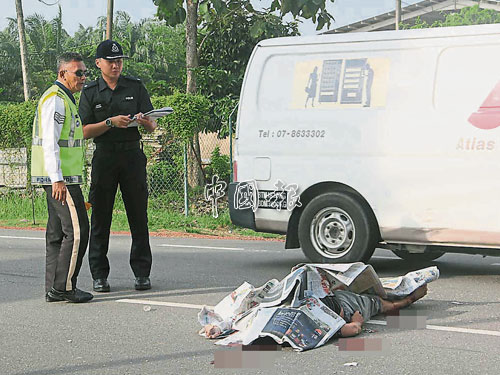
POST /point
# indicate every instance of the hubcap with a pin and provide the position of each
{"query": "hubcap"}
(332, 232)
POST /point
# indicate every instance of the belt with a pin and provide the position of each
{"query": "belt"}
(118, 146)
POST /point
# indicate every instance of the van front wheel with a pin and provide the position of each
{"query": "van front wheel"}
(336, 228)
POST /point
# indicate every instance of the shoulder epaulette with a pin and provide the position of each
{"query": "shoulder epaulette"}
(90, 84)
(130, 78)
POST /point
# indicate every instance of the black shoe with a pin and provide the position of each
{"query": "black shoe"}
(52, 299)
(142, 283)
(101, 285)
(76, 295)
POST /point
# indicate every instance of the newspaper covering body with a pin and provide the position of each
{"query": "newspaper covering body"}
(398, 287)
(291, 311)
(356, 277)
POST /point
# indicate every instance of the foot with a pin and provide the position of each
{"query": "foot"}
(52, 299)
(75, 296)
(101, 285)
(418, 293)
(142, 283)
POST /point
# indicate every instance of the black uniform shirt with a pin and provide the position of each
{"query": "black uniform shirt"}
(98, 102)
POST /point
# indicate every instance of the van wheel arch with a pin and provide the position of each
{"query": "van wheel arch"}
(292, 237)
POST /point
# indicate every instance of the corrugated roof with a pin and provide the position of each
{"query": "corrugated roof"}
(429, 8)
(440, 32)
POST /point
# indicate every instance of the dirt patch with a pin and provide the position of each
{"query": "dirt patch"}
(172, 234)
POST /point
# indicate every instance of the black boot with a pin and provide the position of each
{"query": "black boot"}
(76, 295)
(142, 283)
(101, 285)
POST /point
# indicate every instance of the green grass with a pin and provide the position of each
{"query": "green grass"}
(165, 214)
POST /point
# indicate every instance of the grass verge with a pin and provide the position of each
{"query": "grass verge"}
(16, 210)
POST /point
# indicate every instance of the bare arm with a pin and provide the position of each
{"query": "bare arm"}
(354, 327)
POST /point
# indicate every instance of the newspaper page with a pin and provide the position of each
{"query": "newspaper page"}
(399, 287)
(306, 327)
(317, 282)
(357, 277)
(236, 302)
(280, 292)
(291, 311)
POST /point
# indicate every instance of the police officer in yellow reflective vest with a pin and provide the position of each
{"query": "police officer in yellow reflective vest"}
(57, 164)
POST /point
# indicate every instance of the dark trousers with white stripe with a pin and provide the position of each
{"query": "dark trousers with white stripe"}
(66, 239)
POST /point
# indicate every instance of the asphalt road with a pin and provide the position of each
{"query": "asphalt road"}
(155, 332)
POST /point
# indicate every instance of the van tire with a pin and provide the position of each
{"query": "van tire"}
(419, 257)
(336, 227)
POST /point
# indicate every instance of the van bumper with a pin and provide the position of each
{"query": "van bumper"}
(240, 216)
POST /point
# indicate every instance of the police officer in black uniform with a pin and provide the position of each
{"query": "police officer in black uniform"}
(108, 107)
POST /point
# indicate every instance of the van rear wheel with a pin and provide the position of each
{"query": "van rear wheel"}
(336, 227)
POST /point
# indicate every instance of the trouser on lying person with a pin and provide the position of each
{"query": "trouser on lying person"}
(355, 308)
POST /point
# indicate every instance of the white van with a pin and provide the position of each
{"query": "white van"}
(390, 139)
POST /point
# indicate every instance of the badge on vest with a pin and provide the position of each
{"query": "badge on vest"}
(129, 98)
(98, 106)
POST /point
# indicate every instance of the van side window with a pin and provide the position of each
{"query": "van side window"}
(465, 77)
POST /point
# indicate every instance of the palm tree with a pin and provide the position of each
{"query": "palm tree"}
(24, 50)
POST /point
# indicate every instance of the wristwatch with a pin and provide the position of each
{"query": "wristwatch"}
(109, 124)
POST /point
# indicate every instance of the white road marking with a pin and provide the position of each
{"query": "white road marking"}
(495, 264)
(23, 238)
(113, 295)
(377, 322)
(167, 245)
(448, 329)
(216, 248)
(204, 247)
(160, 303)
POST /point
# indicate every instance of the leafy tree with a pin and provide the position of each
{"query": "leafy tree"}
(225, 48)
(226, 45)
(198, 12)
(10, 64)
(473, 15)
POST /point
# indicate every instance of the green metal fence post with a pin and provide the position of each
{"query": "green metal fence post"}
(33, 204)
(186, 199)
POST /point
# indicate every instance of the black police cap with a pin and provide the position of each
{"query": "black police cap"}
(109, 50)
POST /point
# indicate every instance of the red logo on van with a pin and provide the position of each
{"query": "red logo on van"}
(488, 115)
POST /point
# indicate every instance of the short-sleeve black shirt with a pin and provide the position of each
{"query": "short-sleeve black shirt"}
(98, 102)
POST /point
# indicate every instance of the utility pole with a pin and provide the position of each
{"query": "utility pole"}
(109, 23)
(398, 13)
(24, 51)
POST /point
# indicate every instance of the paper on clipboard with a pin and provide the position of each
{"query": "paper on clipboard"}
(153, 114)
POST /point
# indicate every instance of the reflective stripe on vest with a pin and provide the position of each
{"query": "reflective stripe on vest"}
(62, 142)
(45, 180)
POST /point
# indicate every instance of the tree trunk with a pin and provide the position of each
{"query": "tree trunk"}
(191, 50)
(24, 52)
(195, 171)
(109, 20)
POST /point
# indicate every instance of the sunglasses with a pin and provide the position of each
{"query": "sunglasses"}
(79, 73)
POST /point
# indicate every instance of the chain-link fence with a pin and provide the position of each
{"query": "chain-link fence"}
(166, 169)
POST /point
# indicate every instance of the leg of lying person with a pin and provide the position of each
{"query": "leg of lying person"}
(390, 306)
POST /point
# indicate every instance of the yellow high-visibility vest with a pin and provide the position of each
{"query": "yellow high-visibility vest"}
(71, 145)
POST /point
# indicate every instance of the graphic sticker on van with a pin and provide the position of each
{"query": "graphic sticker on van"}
(488, 115)
(340, 83)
